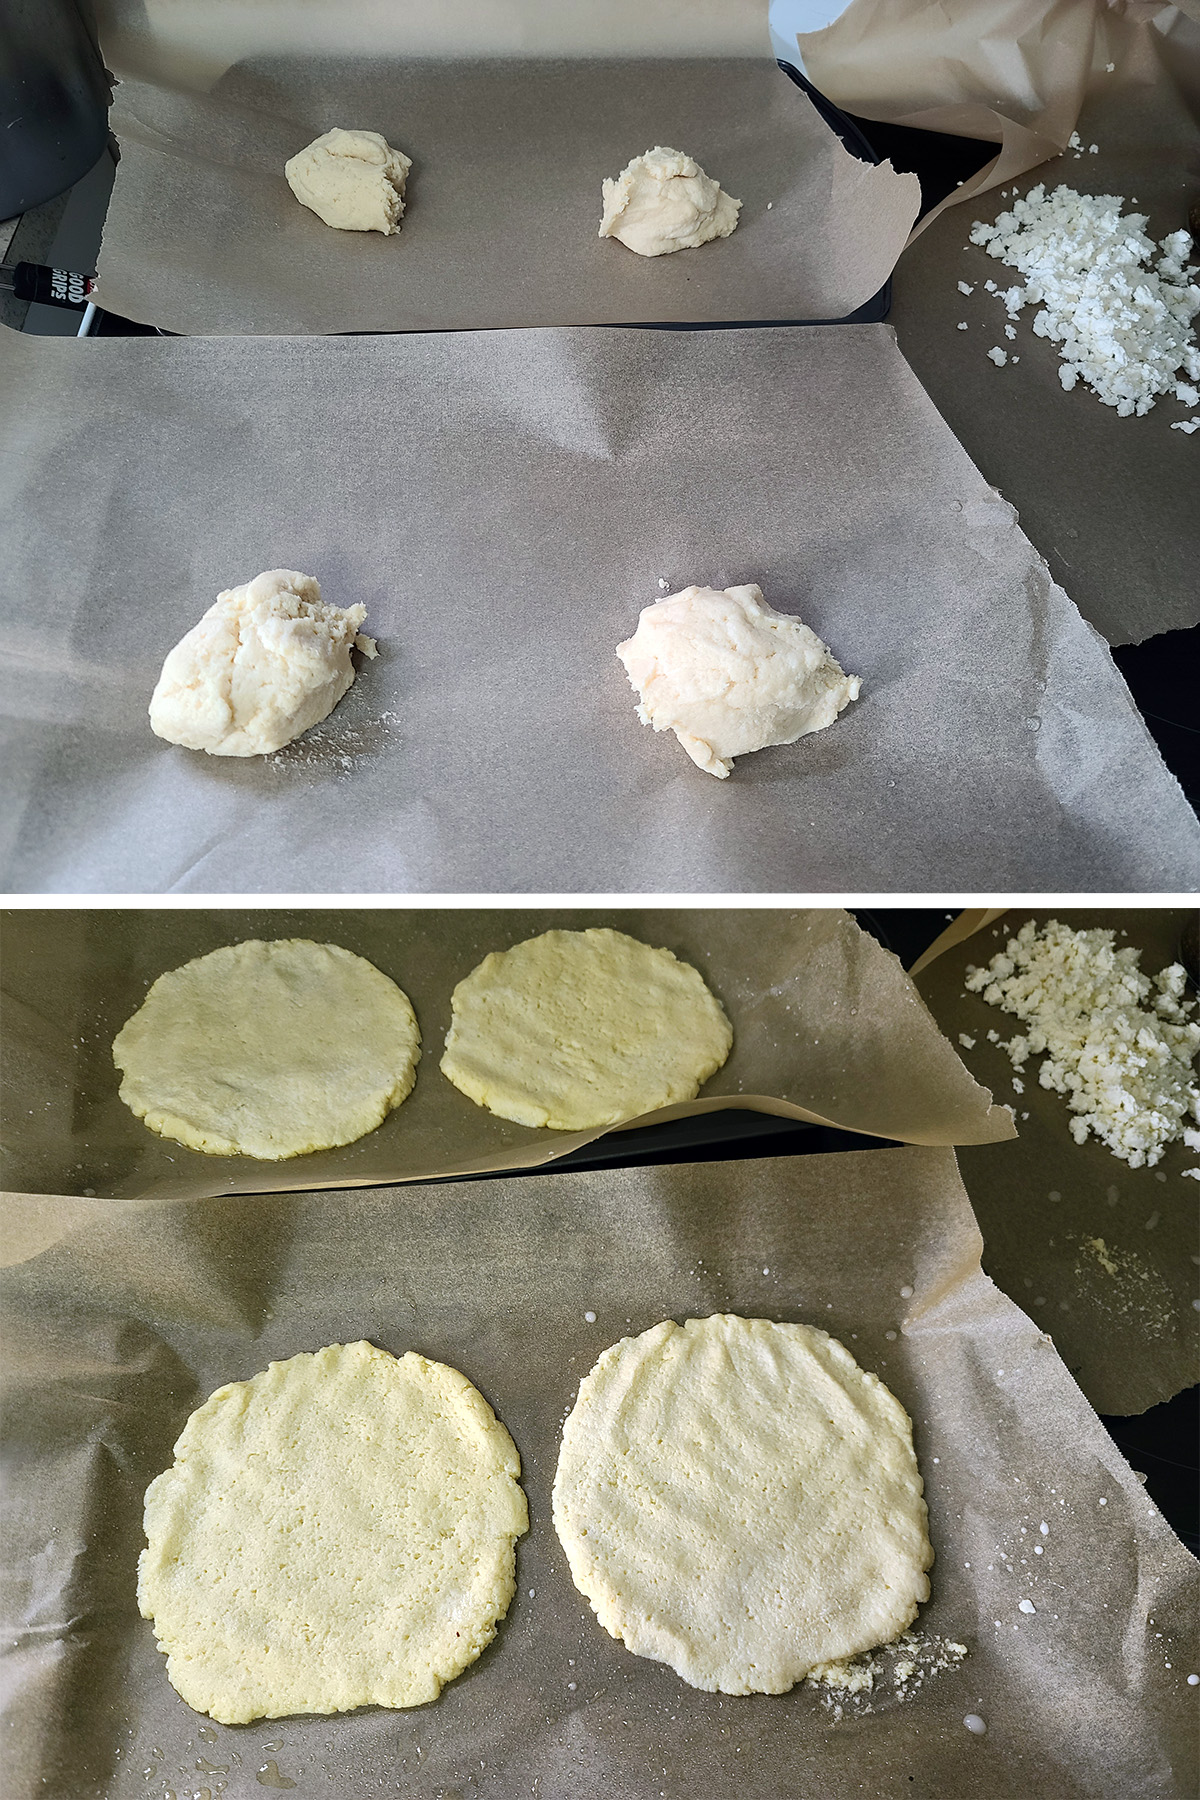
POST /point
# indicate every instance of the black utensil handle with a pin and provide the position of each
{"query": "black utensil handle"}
(52, 287)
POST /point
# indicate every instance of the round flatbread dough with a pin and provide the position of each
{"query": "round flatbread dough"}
(663, 201)
(575, 1029)
(728, 674)
(269, 1049)
(338, 1531)
(740, 1500)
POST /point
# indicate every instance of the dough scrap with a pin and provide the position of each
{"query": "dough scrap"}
(740, 1500)
(575, 1029)
(728, 674)
(338, 1531)
(352, 180)
(663, 201)
(269, 1049)
(267, 662)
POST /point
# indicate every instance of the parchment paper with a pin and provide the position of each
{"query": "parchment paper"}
(117, 1333)
(1110, 503)
(510, 149)
(826, 1023)
(1102, 1255)
(1018, 73)
(505, 504)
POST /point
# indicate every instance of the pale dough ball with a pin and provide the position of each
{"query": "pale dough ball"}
(575, 1029)
(728, 674)
(266, 662)
(338, 1531)
(353, 180)
(664, 201)
(740, 1500)
(269, 1049)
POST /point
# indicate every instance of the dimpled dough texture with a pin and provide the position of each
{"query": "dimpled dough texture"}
(352, 180)
(575, 1029)
(269, 1049)
(267, 661)
(663, 201)
(728, 674)
(740, 1500)
(337, 1532)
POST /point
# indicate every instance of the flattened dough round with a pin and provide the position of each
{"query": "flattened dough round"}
(575, 1029)
(740, 1500)
(269, 1049)
(338, 1531)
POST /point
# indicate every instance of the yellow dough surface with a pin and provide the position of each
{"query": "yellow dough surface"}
(740, 1500)
(338, 1531)
(576, 1029)
(269, 1049)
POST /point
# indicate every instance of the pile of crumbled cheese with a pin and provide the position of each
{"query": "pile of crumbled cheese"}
(1119, 1045)
(1122, 324)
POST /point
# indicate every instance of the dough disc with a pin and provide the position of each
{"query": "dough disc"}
(740, 1500)
(575, 1029)
(337, 1532)
(269, 1049)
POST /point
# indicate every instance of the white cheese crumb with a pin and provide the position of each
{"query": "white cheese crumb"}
(1118, 1044)
(1074, 142)
(998, 356)
(1188, 425)
(1194, 1173)
(1010, 332)
(964, 287)
(962, 324)
(968, 1043)
(1109, 67)
(1122, 323)
(1093, 149)
(1026, 1606)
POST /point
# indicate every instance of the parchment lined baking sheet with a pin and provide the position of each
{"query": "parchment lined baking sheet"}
(505, 504)
(117, 1333)
(503, 205)
(1111, 503)
(826, 1025)
(1102, 1255)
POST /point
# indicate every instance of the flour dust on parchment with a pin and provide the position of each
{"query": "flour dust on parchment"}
(896, 1672)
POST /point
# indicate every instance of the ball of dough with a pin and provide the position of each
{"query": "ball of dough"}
(575, 1029)
(740, 1500)
(338, 1531)
(353, 180)
(269, 1049)
(728, 674)
(266, 662)
(663, 201)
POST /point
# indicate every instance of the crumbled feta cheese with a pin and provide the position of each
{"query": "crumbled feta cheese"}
(1187, 394)
(1194, 1173)
(1010, 332)
(1123, 325)
(1188, 425)
(1074, 142)
(1093, 149)
(962, 324)
(1118, 1044)
(1109, 67)
(968, 1043)
(998, 356)
(964, 287)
